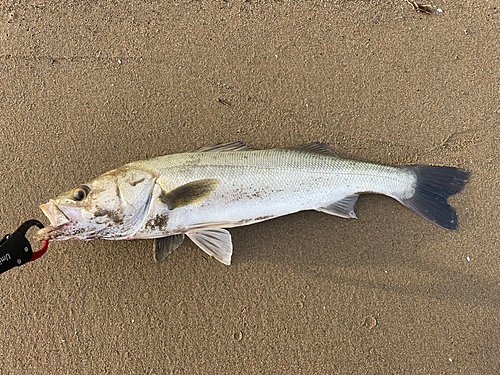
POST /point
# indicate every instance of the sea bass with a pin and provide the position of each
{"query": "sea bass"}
(199, 193)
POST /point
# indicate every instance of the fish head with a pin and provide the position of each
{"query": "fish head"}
(112, 206)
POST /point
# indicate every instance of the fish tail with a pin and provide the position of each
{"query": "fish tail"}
(434, 185)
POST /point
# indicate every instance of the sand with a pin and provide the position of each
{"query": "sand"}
(87, 86)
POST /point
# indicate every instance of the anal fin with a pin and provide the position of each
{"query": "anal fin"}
(342, 208)
(164, 246)
(215, 242)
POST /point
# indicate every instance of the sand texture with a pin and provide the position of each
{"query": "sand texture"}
(87, 86)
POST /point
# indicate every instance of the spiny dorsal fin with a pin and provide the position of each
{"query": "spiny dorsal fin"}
(316, 147)
(215, 242)
(342, 208)
(164, 246)
(190, 193)
(221, 147)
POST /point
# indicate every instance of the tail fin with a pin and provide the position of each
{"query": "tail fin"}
(434, 186)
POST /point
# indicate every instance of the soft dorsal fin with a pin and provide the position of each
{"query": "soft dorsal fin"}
(342, 208)
(315, 147)
(164, 246)
(215, 242)
(221, 147)
(190, 193)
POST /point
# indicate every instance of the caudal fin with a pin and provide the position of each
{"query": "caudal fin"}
(434, 186)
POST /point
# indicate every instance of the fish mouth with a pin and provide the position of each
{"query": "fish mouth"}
(54, 214)
(58, 220)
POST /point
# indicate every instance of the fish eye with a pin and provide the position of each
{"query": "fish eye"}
(81, 192)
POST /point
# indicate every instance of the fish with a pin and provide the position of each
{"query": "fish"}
(201, 193)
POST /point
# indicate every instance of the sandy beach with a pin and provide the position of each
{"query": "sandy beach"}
(87, 86)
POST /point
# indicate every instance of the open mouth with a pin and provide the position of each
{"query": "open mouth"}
(54, 214)
(57, 226)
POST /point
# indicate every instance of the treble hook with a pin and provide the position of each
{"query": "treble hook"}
(15, 249)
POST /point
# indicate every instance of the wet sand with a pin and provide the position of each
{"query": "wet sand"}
(88, 86)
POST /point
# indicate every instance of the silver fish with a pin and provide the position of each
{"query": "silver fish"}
(199, 193)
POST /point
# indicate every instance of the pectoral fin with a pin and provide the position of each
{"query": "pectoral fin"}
(164, 246)
(342, 208)
(215, 242)
(190, 193)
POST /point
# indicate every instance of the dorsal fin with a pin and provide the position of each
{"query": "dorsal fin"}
(316, 147)
(221, 147)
